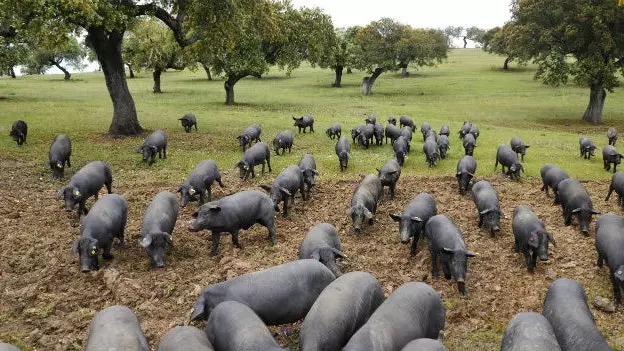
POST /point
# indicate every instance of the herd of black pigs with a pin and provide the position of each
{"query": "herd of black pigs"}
(340, 311)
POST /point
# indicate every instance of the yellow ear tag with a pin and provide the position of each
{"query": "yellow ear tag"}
(77, 193)
(191, 191)
(59, 165)
(93, 251)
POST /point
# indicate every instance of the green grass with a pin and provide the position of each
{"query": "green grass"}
(469, 86)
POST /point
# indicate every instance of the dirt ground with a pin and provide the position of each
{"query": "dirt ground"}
(47, 304)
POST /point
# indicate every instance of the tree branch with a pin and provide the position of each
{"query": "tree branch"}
(174, 23)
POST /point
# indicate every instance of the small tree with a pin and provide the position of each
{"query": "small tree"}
(387, 45)
(340, 53)
(475, 34)
(590, 32)
(150, 45)
(498, 41)
(68, 53)
(452, 32)
(13, 52)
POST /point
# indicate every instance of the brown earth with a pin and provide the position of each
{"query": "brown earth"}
(47, 304)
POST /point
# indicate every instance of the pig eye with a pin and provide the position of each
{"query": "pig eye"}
(194, 215)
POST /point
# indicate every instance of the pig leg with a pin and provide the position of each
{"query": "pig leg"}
(235, 241)
(107, 255)
(312, 129)
(215, 243)
(415, 238)
(269, 223)
(614, 167)
(209, 192)
(302, 190)
(285, 207)
(600, 261)
(609, 194)
(165, 150)
(160, 153)
(109, 186)
(617, 293)
(68, 162)
(392, 189)
(446, 266)
(516, 246)
(263, 167)
(220, 182)
(202, 198)
(434, 263)
(268, 161)
(480, 221)
(567, 218)
(527, 258)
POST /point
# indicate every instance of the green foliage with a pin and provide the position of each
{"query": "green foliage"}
(389, 45)
(548, 31)
(150, 45)
(475, 34)
(70, 53)
(13, 52)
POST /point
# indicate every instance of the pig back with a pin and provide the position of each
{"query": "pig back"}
(161, 214)
(185, 338)
(116, 328)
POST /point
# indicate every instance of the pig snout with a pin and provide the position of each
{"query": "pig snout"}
(192, 225)
(85, 269)
(405, 237)
(495, 229)
(543, 257)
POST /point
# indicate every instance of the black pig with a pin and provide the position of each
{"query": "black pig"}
(611, 155)
(617, 184)
(283, 140)
(447, 243)
(343, 151)
(19, 131)
(610, 248)
(59, 155)
(364, 201)
(157, 226)
(232, 213)
(155, 143)
(530, 236)
(84, 184)
(414, 218)
(488, 206)
(199, 182)
(576, 201)
(285, 186)
(335, 131)
(249, 135)
(304, 122)
(255, 155)
(389, 175)
(322, 243)
(188, 121)
(106, 220)
(466, 168)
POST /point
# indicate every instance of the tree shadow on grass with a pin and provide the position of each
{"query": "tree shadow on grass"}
(516, 69)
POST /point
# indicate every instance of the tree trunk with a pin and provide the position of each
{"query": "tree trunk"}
(506, 64)
(65, 72)
(349, 71)
(338, 81)
(107, 46)
(465, 42)
(207, 69)
(597, 97)
(130, 70)
(404, 72)
(12, 72)
(367, 82)
(229, 89)
(156, 75)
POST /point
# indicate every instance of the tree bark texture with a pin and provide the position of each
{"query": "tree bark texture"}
(130, 71)
(367, 82)
(506, 64)
(65, 72)
(465, 42)
(404, 72)
(207, 69)
(597, 98)
(156, 76)
(338, 81)
(107, 46)
(229, 90)
(12, 72)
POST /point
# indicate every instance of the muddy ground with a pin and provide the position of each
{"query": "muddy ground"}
(47, 304)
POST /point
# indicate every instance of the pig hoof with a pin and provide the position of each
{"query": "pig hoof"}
(107, 257)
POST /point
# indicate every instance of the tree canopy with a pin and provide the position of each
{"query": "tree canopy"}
(42, 57)
(340, 52)
(387, 45)
(572, 38)
(498, 40)
(150, 45)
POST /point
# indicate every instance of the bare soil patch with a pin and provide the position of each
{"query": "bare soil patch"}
(48, 304)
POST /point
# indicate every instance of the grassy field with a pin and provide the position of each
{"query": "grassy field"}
(47, 301)
(469, 86)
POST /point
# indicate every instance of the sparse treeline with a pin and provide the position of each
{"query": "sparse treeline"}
(567, 39)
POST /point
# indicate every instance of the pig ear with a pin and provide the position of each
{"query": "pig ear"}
(266, 188)
(315, 172)
(486, 211)
(60, 193)
(214, 207)
(551, 239)
(527, 146)
(501, 213)
(368, 214)
(446, 250)
(338, 253)
(350, 211)
(285, 191)
(168, 239)
(199, 310)
(75, 246)
(362, 175)
(294, 119)
(416, 219)
(315, 255)
(147, 240)
(238, 164)
(470, 254)
(378, 170)
(595, 212)
(395, 217)
(458, 174)
(180, 189)
(239, 137)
